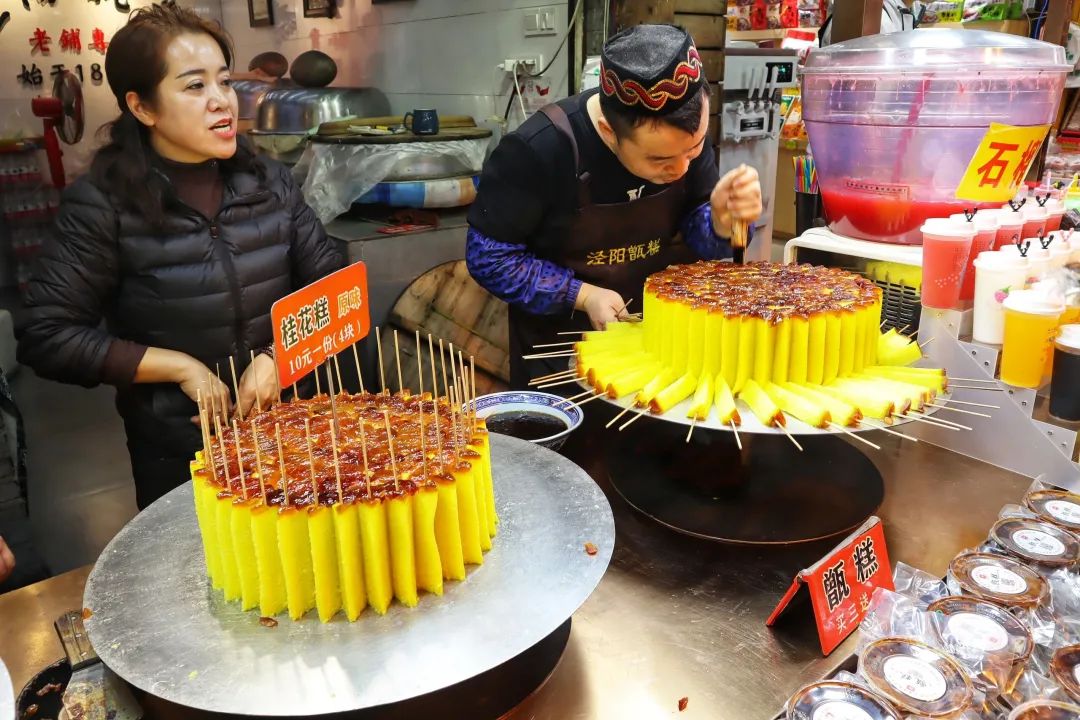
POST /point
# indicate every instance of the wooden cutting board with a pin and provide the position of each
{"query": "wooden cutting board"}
(341, 127)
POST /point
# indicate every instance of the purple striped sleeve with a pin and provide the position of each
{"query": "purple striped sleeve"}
(513, 274)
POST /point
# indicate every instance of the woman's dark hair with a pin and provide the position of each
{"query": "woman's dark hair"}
(623, 120)
(135, 62)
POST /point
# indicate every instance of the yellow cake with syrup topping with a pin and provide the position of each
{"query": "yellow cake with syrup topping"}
(347, 521)
(796, 339)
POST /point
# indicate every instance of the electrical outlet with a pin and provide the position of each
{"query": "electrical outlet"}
(525, 62)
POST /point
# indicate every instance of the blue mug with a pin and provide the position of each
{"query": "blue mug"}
(424, 122)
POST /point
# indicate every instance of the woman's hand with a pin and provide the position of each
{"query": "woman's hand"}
(258, 385)
(602, 305)
(736, 196)
(197, 380)
(7, 561)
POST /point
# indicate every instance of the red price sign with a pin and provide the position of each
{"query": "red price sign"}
(842, 583)
(320, 320)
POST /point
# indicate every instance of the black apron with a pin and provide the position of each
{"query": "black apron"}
(614, 246)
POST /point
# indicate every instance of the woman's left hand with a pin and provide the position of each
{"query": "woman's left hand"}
(258, 385)
(736, 196)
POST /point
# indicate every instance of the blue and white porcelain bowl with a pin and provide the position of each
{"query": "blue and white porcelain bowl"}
(533, 402)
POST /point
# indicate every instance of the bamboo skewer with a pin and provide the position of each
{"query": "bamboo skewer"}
(556, 384)
(435, 396)
(472, 373)
(390, 446)
(442, 360)
(978, 380)
(636, 417)
(734, 429)
(558, 344)
(783, 429)
(693, 423)
(397, 360)
(561, 375)
(943, 421)
(579, 404)
(363, 450)
(935, 423)
(958, 410)
(924, 344)
(972, 404)
(281, 463)
(337, 468)
(311, 462)
(356, 359)
(334, 427)
(318, 386)
(542, 356)
(878, 426)
(976, 387)
(337, 371)
(844, 430)
(258, 459)
(382, 375)
(574, 332)
(239, 460)
(294, 393)
(236, 387)
(615, 419)
(224, 458)
(258, 395)
(420, 410)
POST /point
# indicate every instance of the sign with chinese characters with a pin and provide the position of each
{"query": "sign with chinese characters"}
(623, 255)
(1001, 162)
(842, 583)
(319, 321)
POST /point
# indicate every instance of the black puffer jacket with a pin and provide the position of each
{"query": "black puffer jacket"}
(202, 286)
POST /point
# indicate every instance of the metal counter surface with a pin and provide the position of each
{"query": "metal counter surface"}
(675, 617)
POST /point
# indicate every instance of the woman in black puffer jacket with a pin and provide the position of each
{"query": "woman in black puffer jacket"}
(180, 239)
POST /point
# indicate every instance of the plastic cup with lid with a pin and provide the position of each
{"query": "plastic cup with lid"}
(986, 227)
(1055, 210)
(1010, 227)
(1065, 380)
(946, 245)
(1031, 321)
(1034, 220)
(997, 275)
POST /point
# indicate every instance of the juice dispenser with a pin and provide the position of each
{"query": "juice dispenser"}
(894, 120)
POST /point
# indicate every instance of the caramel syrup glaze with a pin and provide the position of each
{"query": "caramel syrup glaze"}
(460, 450)
(764, 290)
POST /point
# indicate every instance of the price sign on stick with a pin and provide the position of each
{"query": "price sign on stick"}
(842, 583)
(318, 321)
(1001, 162)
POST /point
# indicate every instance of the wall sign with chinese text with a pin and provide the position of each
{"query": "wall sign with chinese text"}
(842, 583)
(1001, 162)
(318, 321)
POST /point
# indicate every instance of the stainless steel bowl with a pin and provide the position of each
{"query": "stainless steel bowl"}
(248, 93)
(295, 110)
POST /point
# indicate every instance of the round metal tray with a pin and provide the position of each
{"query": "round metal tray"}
(750, 422)
(157, 624)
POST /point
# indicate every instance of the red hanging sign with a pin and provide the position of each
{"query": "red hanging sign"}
(319, 321)
(842, 583)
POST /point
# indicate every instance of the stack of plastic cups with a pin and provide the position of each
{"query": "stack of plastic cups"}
(1060, 252)
(1034, 221)
(986, 227)
(1010, 227)
(946, 245)
(997, 274)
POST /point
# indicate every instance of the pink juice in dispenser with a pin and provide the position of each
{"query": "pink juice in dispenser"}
(895, 119)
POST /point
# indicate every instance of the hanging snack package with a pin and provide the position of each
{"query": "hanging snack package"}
(942, 11)
(991, 10)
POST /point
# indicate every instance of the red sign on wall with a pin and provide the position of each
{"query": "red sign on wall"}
(842, 583)
(319, 321)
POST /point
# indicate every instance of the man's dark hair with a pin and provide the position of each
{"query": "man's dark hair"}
(623, 120)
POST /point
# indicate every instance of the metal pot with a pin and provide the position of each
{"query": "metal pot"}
(248, 93)
(294, 110)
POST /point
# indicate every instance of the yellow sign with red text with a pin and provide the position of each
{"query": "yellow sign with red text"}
(319, 321)
(999, 165)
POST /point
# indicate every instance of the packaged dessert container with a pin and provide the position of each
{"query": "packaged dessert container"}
(997, 579)
(1036, 542)
(917, 678)
(917, 105)
(1060, 507)
(837, 699)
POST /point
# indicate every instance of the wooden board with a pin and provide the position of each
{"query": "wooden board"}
(335, 127)
(636, 12)
(707, 30)
(716, 92)
(705, 7)
(713, 61)
(447, 303)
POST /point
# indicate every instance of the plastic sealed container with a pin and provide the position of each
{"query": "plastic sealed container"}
(946, 246)
(915, 105)
(986, 227)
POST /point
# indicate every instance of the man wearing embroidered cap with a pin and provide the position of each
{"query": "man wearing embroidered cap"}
(593, 194)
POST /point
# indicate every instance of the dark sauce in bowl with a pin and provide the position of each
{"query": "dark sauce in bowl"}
(525, 424)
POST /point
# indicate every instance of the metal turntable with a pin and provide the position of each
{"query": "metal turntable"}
(158, 626)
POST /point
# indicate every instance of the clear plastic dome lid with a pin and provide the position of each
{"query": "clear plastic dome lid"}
(940, 50)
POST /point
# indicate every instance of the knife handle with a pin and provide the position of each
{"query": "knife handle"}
(80, 652)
